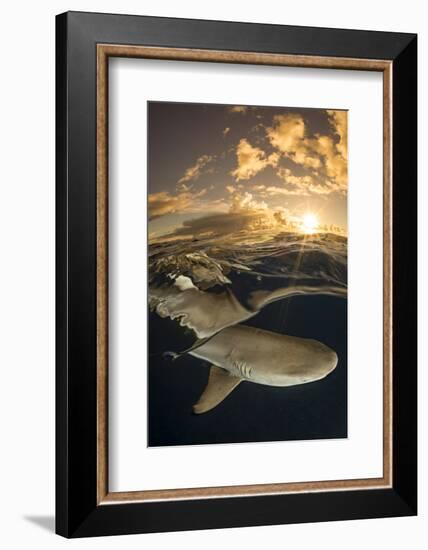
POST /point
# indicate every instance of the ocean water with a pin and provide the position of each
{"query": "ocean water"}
(289, 284)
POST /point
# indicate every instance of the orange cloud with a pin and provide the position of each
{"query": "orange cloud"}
(288, 136)
(319, 153)
(251, 160)
(193, 172)
(244, 202)
(304, 185)
(163, 203)
(339, 123)
(242, 109)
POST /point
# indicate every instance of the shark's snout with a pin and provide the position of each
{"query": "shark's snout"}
(330, 361)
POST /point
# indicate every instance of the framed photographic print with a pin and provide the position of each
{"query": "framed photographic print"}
(236, 274)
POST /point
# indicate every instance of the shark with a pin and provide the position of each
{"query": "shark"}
(243, 353)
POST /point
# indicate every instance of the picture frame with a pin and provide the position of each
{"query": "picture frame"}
(84, 44)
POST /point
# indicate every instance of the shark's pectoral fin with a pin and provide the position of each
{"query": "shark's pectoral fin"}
(220, 384)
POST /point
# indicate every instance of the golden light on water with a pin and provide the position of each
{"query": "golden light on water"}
(309, 223)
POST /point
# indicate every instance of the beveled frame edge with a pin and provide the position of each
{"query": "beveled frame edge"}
(104, 51)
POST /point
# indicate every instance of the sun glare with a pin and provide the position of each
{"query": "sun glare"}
(309, 223)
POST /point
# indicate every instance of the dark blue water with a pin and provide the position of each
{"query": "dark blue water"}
(252, 412)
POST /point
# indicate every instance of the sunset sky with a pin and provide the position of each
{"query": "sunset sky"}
(218, 169)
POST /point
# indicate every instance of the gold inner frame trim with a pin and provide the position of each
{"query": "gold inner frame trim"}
(104, 51)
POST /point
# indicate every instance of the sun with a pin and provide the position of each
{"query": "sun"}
(309, 223)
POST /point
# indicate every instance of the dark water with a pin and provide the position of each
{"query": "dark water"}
(252, 412)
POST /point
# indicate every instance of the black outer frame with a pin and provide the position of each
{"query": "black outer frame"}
(77, 513)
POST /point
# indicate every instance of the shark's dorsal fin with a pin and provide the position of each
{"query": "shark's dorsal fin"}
(220, 384)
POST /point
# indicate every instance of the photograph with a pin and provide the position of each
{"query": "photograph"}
(212, 275)
(247, 273)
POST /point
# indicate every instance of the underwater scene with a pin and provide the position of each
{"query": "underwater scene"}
(247, 274)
